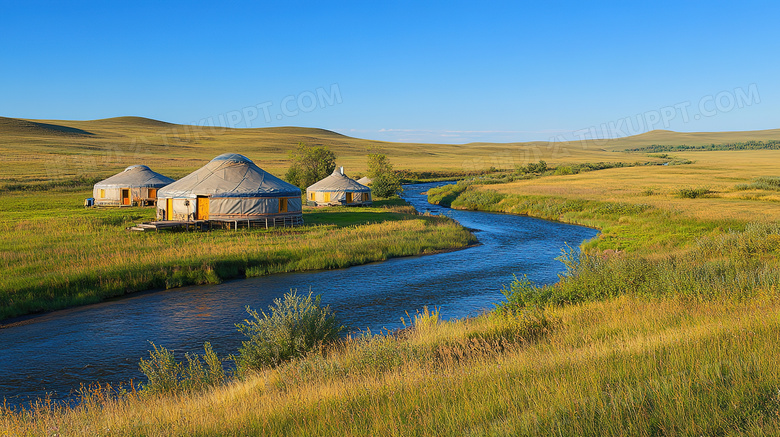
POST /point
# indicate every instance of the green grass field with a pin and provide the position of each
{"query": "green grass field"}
(668, 324)
(57, 254)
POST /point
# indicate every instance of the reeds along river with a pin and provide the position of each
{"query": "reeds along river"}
(55, 354)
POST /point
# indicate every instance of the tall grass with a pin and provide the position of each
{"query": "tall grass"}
(620, 367)
(166, 374)
(769, 183)
(733, 266)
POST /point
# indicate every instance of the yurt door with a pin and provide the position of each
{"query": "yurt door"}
(125, 196)
(349, 197)
(168, 209)
(152, 193)
(203, 208)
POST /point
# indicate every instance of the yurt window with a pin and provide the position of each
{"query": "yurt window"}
(152, 193)
(282, 205)
(311, 196)
(349, 197)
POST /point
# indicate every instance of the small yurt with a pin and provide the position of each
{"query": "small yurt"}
(231, 188)
(338, 189)
(365, 180)
(136, 185)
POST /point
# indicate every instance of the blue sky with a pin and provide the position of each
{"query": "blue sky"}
(451, 72)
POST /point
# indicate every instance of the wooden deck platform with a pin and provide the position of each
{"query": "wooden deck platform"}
(198, 225)
(206, 225)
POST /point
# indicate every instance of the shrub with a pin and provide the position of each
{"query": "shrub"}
(385, 185)
(692, 193)
(563, 171)
(385, 180)
(296, 325)
(310, 164)
(535, 168)
(769, 183)
(518, 295)
(165, 374)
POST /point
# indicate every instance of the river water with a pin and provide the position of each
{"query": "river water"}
(54, 354)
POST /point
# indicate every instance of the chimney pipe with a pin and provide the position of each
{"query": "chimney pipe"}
(341, 169)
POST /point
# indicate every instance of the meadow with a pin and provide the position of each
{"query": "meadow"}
(667, 324)
(57, 254)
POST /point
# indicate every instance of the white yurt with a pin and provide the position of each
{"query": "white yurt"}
(338, 189)
(231, 188)
(365, 180)
(137, 185)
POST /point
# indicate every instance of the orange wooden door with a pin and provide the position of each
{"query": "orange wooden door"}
(203, 209)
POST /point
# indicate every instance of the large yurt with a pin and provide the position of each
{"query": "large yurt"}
(136, 185)
(231, 188)
(338, 189)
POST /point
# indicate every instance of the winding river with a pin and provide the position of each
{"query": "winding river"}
(54, 354)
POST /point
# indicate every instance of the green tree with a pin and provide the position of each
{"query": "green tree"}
(385, 182)
(310, 164)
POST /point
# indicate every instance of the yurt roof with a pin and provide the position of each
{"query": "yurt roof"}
(135, 176)
(229, 175)
(338, 182)
(365, 180)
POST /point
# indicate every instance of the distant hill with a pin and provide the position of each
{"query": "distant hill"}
(54, 150)
(131, 121)
(18, 127)
(667, 137)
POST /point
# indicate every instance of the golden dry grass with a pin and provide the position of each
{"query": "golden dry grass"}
(720, 172)
(46, 150)
(623, 367)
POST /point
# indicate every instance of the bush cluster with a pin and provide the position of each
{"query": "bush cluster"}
(692, 193)
(296, 325)
(166, 374)
(769, 183)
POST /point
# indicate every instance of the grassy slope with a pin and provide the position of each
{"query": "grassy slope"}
(620, 367)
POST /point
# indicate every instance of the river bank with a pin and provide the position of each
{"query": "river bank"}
(58, 255)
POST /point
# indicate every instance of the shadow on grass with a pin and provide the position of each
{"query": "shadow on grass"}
(342, 216)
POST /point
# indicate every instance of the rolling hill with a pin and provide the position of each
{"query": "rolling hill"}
(37, 151)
